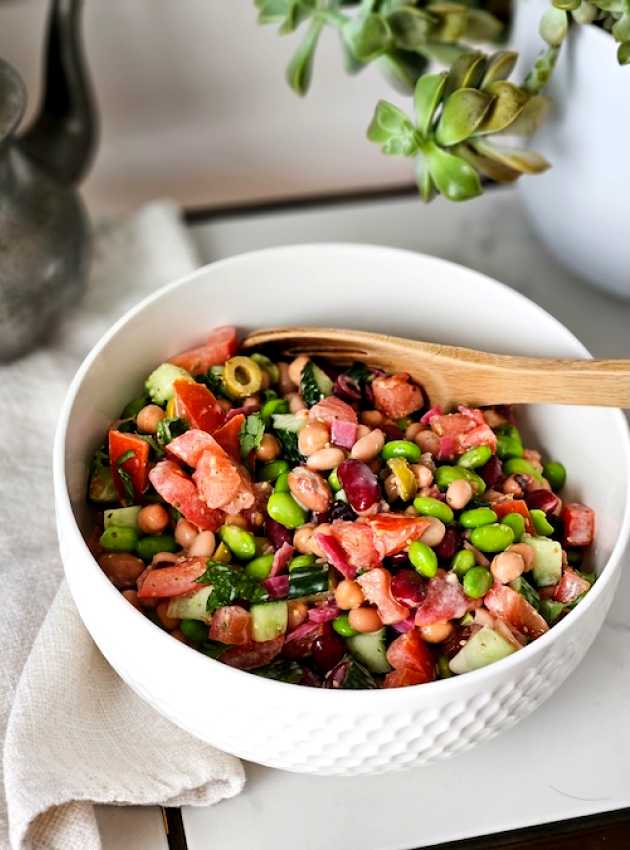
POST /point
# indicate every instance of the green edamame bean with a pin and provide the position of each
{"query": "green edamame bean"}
(274, 405)
(555, 473)
(301, 561)
(342, 626)
(282, 483)
(477, 582)
(509, 443)
(423, 558)
(541, 523)
(116, 539)
(445, 475)
(149, 546)
(478, 456)
(194, 630)
(516, 523)
(284, 509)
(240, 542)
(520, 466)
(401, 448)
(444, 671)
(492, 538)
(333, 480)
(260, 567)
(428, 506)
(462, 562)
(476, 517)
(270, 471)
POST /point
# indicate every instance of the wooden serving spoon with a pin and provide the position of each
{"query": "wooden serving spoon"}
(450, 374)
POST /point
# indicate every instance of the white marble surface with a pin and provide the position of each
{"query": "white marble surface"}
(571, 757)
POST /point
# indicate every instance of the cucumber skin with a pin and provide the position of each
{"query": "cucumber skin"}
(547, 568)
(269, 620)
(122, 517)
(159, 384)
(191, 607)
(369, 650)
(483, 648)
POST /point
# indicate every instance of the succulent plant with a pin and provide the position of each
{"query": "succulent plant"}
(459, 112)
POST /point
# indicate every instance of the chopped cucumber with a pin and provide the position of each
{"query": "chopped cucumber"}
(522, 586)
(484, 647)
(101, 487)
(369, 649)
(123, 517)
(314, 384)
(547, 567)
(288, 422)
(192, 606)
(357, 678)
(269, 620)
(551, 610)
(160, 382)
(306, 581)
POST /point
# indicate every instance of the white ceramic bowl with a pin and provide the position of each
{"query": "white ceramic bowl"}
(325, 731)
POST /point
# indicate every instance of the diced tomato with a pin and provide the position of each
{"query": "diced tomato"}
(482, 435)
(331, 408)
(299, 642)
(253, 655)
(473, 413)
(514, 506)
(197, 405)
(396, 395)
(176, 488)
(377, 588)
(410, 652)
(445, 600)
(136, 466)
(227, 436)
(579, 524)
(221, 483)
(221, 345)
(393, 533)
(515, 610)
(357, 541)
(190, 445)
(570, 586)
(403, 678)
(231, 624)
(172, 581)
(451, 424)
(448, 447)
(468, 428)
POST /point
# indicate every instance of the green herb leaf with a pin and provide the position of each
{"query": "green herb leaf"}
(126, 480)
(213, 379)
(289, 441)
(251, 434)
(282, 670)
(314, 384)
(230, 584)
(168, 429)
(392, 130)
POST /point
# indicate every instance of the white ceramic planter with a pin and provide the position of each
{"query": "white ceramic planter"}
(581, 207)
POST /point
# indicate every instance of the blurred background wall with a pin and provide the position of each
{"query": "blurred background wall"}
(194, 105)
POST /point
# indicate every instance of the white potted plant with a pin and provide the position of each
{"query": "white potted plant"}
(464, 124)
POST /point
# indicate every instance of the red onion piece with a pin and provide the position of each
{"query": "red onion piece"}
(404, 625)
(277, 586)
(323, 613)
(542, 500)
(281, 559)
(335, 554)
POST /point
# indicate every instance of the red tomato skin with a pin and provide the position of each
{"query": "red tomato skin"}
(443, 601)
(227, 436)
(570, 586)
(403, 678)
(376, 585)
(221, 345)
(231, 624)
(137, 466)
(223, 484)
(176, 488)
(331, 408)
(514, 506)
(197, 405)
(190, 445)
(409, 651)
(172, 581)
(396, 395)
(579, 524)
(357, 542)
(510, 606)
(253, 655)
(392, 533)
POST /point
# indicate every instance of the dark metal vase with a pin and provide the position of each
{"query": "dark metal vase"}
(44, 229)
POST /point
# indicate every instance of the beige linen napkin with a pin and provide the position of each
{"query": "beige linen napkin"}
(74, 734)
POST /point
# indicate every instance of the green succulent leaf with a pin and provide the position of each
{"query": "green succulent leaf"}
(428, 94)
(523, 161)
(452, 175)
(509, 101)
(623, 53)
(490, 168)
(567, 5)
(367, 37)
(272, 11)
(463, 112)
(465, 72)
(392, 130)
(300, 68)
(540, 74)
(531, 117)
(483, 26)
(453, 18)
(500, 66)
(410, 27)
(553, 26)
(586, 13)
(621, 29)
(298, 11)
(402, 69)
(350, 63)
(445, 54)
(423, 180)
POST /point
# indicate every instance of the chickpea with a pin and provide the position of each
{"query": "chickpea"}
(265, 382)
(458, 494)
(427, 441)
(236, 519)
(348, 595)
(372, 418)
(512, 486)
(412, 431)
(310, 489)
(507, 566)
(298, 612)
(169, 623)
(436, 632)
(269, 448)
(153, 519)
(364, 620)
(313, 437)
(368, 447)
(526, 552)
(302, 538)
(296, 367)
(326, 459)
(132, 597)
(285, 384)
(163, 559)
(362, 431)
(534, 458)
(203, 545)
(296, 403)
(494, 419)
(121, 568)
(434, 534)
(424, 475)
(185, 533)
(148, 418)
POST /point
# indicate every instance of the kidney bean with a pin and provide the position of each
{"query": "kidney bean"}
(492, 471)
(277, 533)
(407, 587)
(543, 500)
(309, 489)
(122, 568)
(359, 483)
(450, 543)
